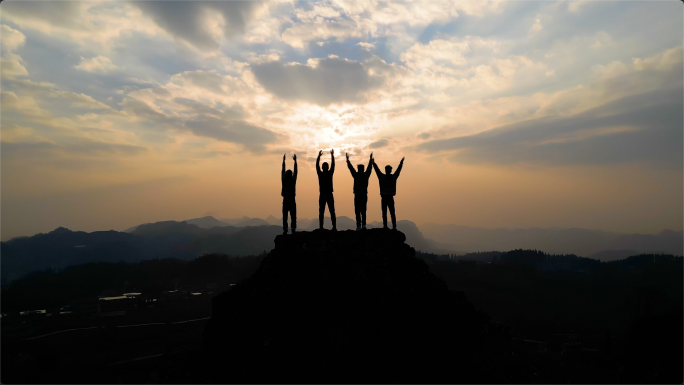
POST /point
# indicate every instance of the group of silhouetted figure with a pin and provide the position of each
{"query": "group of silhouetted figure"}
(388, 189)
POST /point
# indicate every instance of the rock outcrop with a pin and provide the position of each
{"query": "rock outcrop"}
(347, 306)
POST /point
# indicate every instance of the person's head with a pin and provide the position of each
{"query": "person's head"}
(288, 173)
(388, 169)
(325, 166)
(360, 167)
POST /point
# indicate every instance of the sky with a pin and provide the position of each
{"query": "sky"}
(509, 113)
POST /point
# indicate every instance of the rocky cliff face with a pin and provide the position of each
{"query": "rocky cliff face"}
(342, 307)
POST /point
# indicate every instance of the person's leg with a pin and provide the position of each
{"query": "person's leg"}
(284, 215)
(357, 211)
(364, 205)
(383, 202)
(390, 205)
(293, 215)
(321, 210)
(331, 207)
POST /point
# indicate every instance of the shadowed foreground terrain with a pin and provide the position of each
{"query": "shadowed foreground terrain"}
(342, 307)
(353, 307)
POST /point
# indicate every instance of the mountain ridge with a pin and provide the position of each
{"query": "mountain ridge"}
(359, 306)
(188, 239)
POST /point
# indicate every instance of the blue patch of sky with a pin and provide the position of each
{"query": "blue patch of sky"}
(382, 51)
(48, 59)
(53, 60)
(512, 23)
(347, 49)
(430, 31)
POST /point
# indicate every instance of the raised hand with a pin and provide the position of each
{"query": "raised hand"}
(320, 153)
(294, 157)
(332, 151)
(402, 160)
(371, 157)
(284, 157)
(346, 153)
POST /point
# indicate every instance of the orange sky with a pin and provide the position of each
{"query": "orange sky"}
(509, 114)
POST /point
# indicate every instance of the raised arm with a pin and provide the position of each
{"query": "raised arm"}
(369, 169)
(377, 170)
(282, 172)
(295, 167)
(318, 162)
(332, 162)
(349, 165)
(401, 164)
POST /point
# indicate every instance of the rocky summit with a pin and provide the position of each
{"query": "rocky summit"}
(342, 307)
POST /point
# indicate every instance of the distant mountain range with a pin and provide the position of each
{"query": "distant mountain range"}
(595, 244)
(250, 236)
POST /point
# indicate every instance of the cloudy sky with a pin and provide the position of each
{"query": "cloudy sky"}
(509, 114)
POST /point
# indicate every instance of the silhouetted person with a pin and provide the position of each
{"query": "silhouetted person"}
(360, 191)
(388, 189)
(325, 188)
(289, 181)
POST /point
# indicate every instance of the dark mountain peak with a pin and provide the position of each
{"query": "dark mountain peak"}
(166, 227)
(206, 222)
(60, 230)
(345, 306)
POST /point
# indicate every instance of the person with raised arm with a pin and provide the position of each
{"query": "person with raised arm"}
(325, 188)
(388, 189)
(360, 191)
(289, 184)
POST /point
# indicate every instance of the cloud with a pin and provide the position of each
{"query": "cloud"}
(81, 146)
(210, 81)
(97, 64)
(204, 121)
(24, 104)
(321, 29)
(52, 12)
(251, 137)
(256, 58)
(11, 38)
(575, 6)
(42, 90)
(425, 55)
(379, 144)
(343, 20)
(367, 46)
(644, 127)
(10, 63)
(321, 81)
(603, 40)
(191, 21)
(536, 27)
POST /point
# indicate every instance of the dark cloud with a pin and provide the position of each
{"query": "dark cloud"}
(252, 137)
(232, 112)
(333, 80)
(186, 19)
(18, 148)
(81, 146)
(206, 121)
(142, 110)
(653, 134)
(380, 143)
(61, 13)
(210, 81)
(94, 147)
